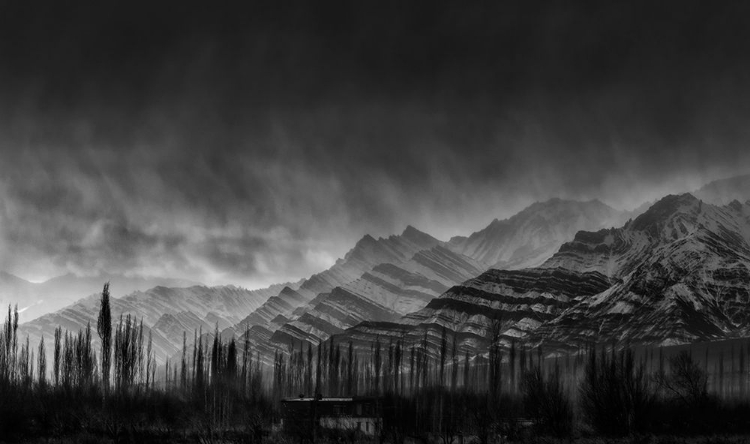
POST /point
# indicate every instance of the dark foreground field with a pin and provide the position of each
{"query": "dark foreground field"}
(222, 392)
(87, 438)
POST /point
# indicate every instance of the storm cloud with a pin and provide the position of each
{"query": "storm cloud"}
(252, 144)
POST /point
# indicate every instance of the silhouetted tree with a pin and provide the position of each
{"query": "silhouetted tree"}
(546, 401)
(104, 329)
(42, 365)
(686, 381)
(183, 362)
(512, 365)
(57, 355)
(495, 360)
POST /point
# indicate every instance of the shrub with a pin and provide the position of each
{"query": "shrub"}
(546, 402)
(615, 394)
(687, 399)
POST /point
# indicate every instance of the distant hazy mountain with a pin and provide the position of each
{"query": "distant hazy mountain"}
(167, 312)
(530, 237)
(36, 299)
(724, 191)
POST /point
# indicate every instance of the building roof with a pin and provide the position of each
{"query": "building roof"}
(313, 399)
(334, 399)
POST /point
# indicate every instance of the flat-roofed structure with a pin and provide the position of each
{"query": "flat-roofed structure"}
(362, 414)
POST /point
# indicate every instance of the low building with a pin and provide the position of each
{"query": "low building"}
(357, 414)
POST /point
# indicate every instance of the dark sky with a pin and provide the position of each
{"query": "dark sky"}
(251, 144)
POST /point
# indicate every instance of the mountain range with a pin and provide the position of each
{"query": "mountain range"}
(560, 273)
(676, 274)
(35, 299)
(165, 312)
(380, 279)
(390, 291)
(680, 274)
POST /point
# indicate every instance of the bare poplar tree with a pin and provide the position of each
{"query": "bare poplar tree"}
(183, 366)
(42, 365)
(104, 329)
(443, 355)
(56, 359)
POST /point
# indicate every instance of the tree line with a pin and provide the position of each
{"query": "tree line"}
(431, 389)
(119, 393)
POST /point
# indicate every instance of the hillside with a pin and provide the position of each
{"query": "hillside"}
(678, 273)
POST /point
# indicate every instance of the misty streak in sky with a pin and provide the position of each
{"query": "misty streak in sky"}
(253, 145)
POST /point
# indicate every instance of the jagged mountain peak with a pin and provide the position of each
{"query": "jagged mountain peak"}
(616, 251)
(366, 239)
(672, 216)
(417, 236)
(365, 243)
(288, 290)
(668, 205)
(675, 217)
(533, 235)
(735, 205)
(374, 251)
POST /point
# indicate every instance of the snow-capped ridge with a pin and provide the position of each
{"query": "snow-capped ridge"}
(677, 273)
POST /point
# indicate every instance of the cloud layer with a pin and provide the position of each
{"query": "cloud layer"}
(254, 145)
